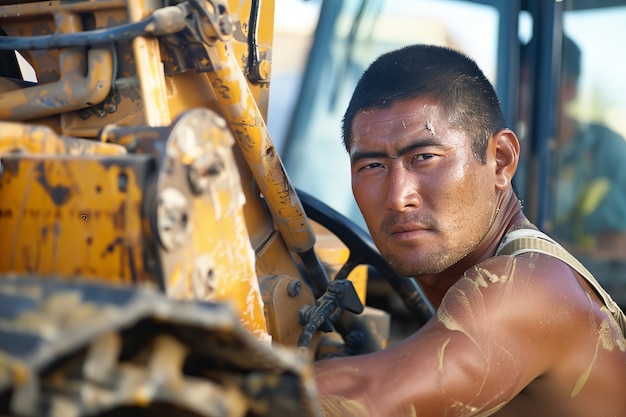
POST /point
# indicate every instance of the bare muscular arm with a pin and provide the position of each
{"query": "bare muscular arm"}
(491, 337)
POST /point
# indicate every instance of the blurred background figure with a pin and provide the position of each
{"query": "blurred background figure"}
(582, 206)
(589, 185)
(590, 174)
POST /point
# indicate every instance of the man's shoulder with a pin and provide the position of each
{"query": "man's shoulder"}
(601, 130)
(532, 280)
(529, 281)
(525, 241)
(529, 268)
(601, 137)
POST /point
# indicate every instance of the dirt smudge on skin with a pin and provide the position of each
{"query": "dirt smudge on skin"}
(440, 355)
(609, 337)
(464, 309)
(465, 300)
(582, 379)
(464, 410)
(463, 297)
(491, 277)
(431, 127)
(491, 411)
(610, 334)
(338, 406)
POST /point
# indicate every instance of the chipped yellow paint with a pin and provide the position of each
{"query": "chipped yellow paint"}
(236, 276)
(150, 70)
(142, 396)
(36, 139)
(216, 261)
(177, 285)
(20, 374)
(68, 217)
(14, 371)
(252, 135)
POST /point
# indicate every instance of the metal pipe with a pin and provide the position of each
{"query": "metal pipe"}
(73, 91)
(252, 135)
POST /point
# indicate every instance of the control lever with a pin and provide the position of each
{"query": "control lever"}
(340, 295)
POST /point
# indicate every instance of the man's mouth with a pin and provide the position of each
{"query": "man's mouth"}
(407, 227)
(407, 231)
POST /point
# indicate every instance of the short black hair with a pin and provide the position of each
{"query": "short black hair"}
(570, 59)
(448, 76)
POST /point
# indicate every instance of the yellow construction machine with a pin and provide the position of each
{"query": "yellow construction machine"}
(155, 258)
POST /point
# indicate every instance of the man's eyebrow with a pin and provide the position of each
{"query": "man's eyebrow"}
(357, 156)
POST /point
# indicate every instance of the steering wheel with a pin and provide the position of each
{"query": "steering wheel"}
(364, 252)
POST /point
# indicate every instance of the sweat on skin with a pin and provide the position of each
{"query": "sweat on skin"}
(515, 335)
(488, 343)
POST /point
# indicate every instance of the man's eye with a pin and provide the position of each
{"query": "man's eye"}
(422, 157)
(370, 166)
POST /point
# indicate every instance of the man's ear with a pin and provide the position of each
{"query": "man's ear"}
(568, 90)
(506, 147)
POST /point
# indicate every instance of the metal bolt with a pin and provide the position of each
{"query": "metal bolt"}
(264, 69)
(304, 313)
(110, 107)
(203, 278)
(173, 221)
(227, 27)
(353, 342)
(201, 169)
(294, 288)
(122, 182)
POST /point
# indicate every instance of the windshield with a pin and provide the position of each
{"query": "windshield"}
(558, 69)
(588, 187)
(307, 129)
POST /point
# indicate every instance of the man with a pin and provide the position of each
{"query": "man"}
(514, 335)
(590, 187)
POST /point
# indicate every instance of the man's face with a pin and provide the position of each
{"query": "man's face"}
(425, 197)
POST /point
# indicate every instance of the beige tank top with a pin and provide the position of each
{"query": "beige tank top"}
(530, 240)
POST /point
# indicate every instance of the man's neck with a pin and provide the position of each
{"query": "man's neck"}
(568, 127)
(508, 217)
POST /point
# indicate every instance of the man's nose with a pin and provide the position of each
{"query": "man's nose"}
(403, 190)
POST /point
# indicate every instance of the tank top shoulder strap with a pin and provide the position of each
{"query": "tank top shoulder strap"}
(531, 240)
